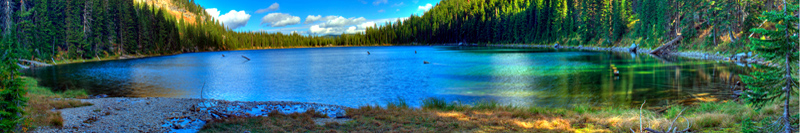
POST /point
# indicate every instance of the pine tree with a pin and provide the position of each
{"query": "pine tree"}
(779, 45)
(12, 100)
(24, 28)
(44, 33)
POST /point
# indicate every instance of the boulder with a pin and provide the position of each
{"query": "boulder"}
(556, 46)
(633, 48)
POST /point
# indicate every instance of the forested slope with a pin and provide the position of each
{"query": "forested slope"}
(72, 29)
(48, 30)
(712, 25)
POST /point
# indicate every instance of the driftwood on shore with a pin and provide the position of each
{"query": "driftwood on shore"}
(124, 56)
(34, 63)
(669, 45)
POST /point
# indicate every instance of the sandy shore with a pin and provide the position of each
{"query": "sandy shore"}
(171, 114)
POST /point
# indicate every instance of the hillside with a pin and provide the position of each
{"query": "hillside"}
(181, 9)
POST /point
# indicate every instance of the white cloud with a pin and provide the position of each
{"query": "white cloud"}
(280, 20)
(398, 4)
(312, 18)
(426, 7)
(353, 30)
(415, 1)
(322, 29)
(274, 7)
(341, 21)
(366, 24)
(334, 21)
(285, 29)
(381, 10)
(233, 19)
(378, 2)
(316, 29)
(213, 12)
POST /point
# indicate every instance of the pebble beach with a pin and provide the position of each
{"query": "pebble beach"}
(173, 114)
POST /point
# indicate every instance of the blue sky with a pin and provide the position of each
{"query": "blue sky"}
(315, 17)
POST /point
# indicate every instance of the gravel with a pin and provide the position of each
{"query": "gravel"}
(172, 114)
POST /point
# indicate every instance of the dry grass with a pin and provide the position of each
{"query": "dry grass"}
(276, 122)
(42, 101)
(376, 119)
(437, 116)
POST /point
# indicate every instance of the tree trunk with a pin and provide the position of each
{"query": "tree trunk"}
(666, 46)
(714, 35)
(787, 125)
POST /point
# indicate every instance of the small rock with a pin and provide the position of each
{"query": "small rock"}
(177, 126)
(742, 56)
(99, 96)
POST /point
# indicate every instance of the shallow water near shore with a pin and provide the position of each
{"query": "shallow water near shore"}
(349, 76)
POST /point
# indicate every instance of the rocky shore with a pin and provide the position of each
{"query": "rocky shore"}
(172, 114)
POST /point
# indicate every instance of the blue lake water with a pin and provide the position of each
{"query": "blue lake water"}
(349, 76)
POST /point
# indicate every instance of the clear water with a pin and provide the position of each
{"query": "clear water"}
(349, 76)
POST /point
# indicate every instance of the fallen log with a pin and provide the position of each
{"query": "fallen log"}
(34, 63)
(666, 46)
(23, 66)
(245, 57)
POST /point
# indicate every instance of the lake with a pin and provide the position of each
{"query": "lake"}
(350, 76)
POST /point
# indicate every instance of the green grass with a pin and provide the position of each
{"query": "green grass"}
(441, 104)
(42, 100)
(34, 89)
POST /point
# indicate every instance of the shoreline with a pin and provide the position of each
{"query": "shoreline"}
(174, 114)
(125, 57)
(699, 55)
(190, 115)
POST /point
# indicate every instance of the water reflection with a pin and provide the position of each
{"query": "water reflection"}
(350, 77)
